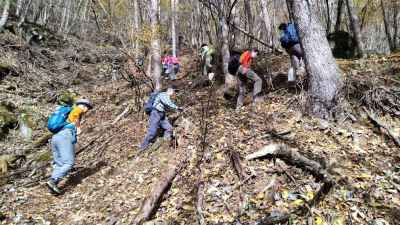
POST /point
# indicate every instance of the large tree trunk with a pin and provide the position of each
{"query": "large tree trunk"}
(355, 27)
(4, 16)
(324, 74)
(155, 44)
(267, 22)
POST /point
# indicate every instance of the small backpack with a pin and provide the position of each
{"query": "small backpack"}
(58, 119)
(234, 63)
(148, 106)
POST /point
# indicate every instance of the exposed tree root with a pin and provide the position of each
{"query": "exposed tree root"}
(292, 157)
(380, 124)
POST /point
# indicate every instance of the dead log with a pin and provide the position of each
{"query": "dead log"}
(151, 203)
(127, 109)
(294, 158)
(380, 124)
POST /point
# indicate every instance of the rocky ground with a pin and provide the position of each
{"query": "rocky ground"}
(111, 179)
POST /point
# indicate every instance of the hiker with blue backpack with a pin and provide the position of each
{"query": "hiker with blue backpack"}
(64, 123)
(156, 107)
(291, 43)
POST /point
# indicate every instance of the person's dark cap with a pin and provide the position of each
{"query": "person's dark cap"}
(282, 26)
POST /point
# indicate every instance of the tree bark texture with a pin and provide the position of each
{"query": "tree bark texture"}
(155, 44)
(173, 28)
(355, 27)
(267, 22)
(4, 16)
(339, 15)
(324, 74)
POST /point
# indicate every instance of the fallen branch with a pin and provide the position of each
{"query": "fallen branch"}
(151, 203)
(292, 157)
(380, 124)
(254, 38)
(127, 109)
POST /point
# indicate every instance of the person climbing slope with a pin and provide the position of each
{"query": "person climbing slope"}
(65, 124)
(156, 107)
(171, 66)
(207, 60)
(291, 43)
(245, 73)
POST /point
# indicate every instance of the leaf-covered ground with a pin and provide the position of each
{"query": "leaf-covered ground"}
(110, 179)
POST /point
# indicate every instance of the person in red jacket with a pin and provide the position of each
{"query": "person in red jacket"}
(246, 73)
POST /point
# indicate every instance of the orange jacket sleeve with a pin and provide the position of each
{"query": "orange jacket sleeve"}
(245, 59)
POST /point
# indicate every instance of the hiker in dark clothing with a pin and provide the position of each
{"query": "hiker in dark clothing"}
(245, 73)
(158, 118)
(291, 43)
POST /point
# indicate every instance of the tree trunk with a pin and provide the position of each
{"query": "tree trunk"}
(328, 19)
(249, 15)
(339, 15)
(173, 30)
(136, 27)
(229, 79)
(18, 8)
(396, 6)
(4, 16)
(155, 44)
(267, 22)
(324, 74)
(355, 27)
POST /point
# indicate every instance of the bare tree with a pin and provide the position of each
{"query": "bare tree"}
(4, 16)
(355, 27)
(155, 43)
(324, 74)
(339, 15)
(250, 20)
(173, 28)
(391, 37)
(267, 22)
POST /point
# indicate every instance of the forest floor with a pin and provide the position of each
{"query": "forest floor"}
(111, 179)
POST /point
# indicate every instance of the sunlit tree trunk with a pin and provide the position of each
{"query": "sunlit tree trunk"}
(155, 44)
(267, 22)
(18, 8)
(173, 28)
(4, 16)
(324, 74)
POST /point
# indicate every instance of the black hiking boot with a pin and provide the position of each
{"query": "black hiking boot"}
(53, 187)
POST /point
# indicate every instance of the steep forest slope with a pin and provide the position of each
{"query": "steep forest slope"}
(215, 183)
